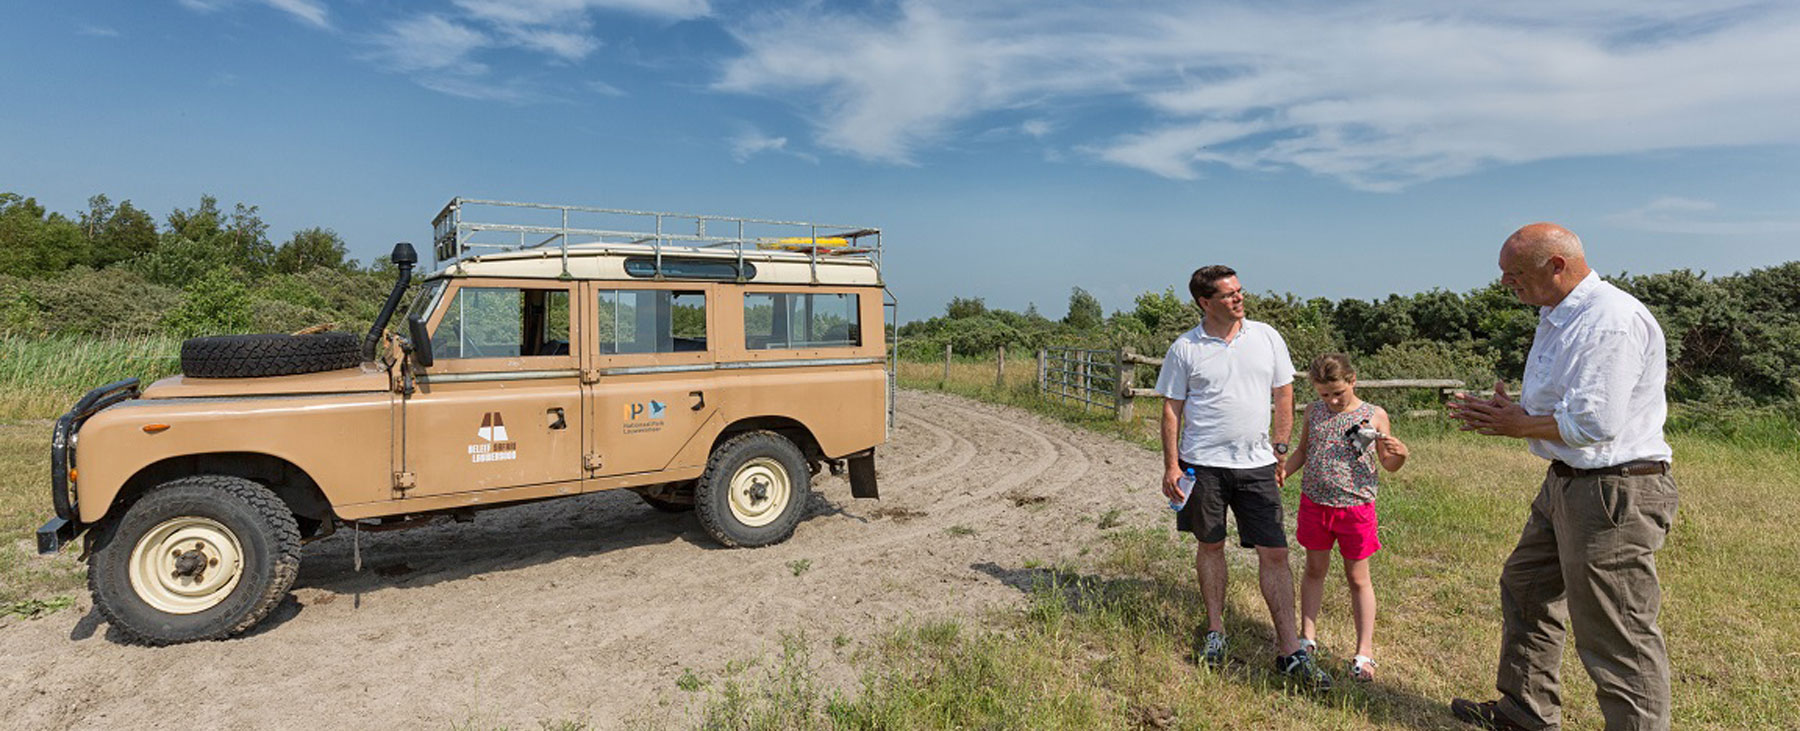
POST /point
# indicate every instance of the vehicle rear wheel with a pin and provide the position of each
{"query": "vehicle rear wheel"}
(198, 558)
(753, 491)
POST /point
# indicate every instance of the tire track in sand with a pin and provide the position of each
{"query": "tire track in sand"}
(592, 607)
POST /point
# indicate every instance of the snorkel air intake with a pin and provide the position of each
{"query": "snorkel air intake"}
(403, 257)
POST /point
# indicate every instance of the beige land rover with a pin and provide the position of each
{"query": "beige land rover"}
(707, 363)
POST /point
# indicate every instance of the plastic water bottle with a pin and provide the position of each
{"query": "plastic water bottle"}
(1185, 486)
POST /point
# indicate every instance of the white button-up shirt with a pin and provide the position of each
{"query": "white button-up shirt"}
(1225, 387)
(1598, 364)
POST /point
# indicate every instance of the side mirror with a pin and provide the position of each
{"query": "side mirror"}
(421, 341)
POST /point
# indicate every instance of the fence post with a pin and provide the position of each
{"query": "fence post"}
(1125, 377)
(1000, 369)
(1043, 372)
(946, 363)
(1085, 361)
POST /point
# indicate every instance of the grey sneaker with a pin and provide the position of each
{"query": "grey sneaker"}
(1211, 650)
(1302, 668)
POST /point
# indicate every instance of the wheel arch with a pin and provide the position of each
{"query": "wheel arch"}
(791, 429)
(297, 489)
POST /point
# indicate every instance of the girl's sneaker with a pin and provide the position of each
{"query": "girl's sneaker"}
(1362, 668)
(1309, 647)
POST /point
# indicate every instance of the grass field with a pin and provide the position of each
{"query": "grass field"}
(1104, 643)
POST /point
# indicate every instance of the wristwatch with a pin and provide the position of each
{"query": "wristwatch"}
(1281, 448)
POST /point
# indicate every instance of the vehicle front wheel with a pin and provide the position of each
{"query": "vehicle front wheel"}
(198, 558)
(753, 491)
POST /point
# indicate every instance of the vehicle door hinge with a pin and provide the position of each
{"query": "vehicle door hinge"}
(404, 481)
(590, 375)
(591, 460)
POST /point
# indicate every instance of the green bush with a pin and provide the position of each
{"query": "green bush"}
(85, 301)
(215, 304)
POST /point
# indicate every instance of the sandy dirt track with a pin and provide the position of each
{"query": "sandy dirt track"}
(591, 608)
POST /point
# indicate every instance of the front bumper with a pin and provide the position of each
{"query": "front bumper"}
(64, 527)
(56, 534)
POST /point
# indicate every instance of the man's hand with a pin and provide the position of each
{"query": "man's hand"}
(1281, 470)
(1494, 416)
(1171, 476)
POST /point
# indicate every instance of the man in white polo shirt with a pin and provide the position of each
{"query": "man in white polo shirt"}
(1228, 407)
(1593, 404)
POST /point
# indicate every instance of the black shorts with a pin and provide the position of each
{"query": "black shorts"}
(1253, 496)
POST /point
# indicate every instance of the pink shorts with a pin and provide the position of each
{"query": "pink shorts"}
(1353, 529)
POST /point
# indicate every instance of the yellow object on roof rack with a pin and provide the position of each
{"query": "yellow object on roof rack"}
(827, 244)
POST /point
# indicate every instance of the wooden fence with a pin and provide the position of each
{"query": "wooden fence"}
(1106, 379)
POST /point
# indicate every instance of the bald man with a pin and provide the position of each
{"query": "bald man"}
(1593, 405)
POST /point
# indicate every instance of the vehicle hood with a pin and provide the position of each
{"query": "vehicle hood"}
(369, 376)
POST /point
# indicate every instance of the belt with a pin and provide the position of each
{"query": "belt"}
(1628, 469)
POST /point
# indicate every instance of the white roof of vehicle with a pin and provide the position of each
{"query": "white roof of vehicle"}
(491, 238)
(607, 262)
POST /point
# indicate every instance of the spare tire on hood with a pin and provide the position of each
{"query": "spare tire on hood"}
(254, 356)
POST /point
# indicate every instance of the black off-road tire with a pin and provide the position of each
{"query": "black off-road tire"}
(269, 354)
(267, 538)
(743, 459)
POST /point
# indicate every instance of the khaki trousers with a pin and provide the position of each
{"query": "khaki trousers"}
(1587, 558)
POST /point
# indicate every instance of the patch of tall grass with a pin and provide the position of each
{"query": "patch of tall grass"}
(41, 377)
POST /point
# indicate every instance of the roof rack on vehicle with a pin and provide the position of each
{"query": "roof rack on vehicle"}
(468, 227)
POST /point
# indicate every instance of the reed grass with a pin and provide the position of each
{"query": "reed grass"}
(41, 377)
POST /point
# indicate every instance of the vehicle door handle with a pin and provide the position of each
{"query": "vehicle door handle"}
(699, 399)
(557, 420)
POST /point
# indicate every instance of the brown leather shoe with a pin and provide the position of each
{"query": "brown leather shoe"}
(1484, 715)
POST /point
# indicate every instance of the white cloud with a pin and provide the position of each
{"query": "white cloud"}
(750, 142)
(97, 31)
(311, 12)
(549, 12)
(457, 39)
(1698, 217)
(480, 89)
(1036, 128)
(604, 89)
(1379, 95)
(431, 43)
(561, 44)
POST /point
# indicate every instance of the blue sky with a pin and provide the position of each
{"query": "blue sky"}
(1009, 149)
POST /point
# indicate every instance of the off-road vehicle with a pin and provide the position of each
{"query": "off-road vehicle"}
(708, 363)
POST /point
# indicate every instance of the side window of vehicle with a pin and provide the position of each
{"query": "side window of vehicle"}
(651, 321)
(503, 322)
(784, 320)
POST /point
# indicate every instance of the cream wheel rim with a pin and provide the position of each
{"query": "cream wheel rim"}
(760, 492)
(186, 565)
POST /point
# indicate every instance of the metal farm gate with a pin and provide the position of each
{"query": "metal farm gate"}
(1084, 376)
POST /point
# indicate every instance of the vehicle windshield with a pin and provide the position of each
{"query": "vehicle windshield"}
(426, 300)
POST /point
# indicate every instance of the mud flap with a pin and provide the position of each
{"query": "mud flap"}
(862, 475)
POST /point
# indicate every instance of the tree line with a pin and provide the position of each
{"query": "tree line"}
(114, 269)
(1733, 340)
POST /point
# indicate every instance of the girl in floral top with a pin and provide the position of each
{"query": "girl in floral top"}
(1343, 439)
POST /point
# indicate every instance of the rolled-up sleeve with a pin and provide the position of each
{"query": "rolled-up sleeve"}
(1596, 407)
(1172, 381)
